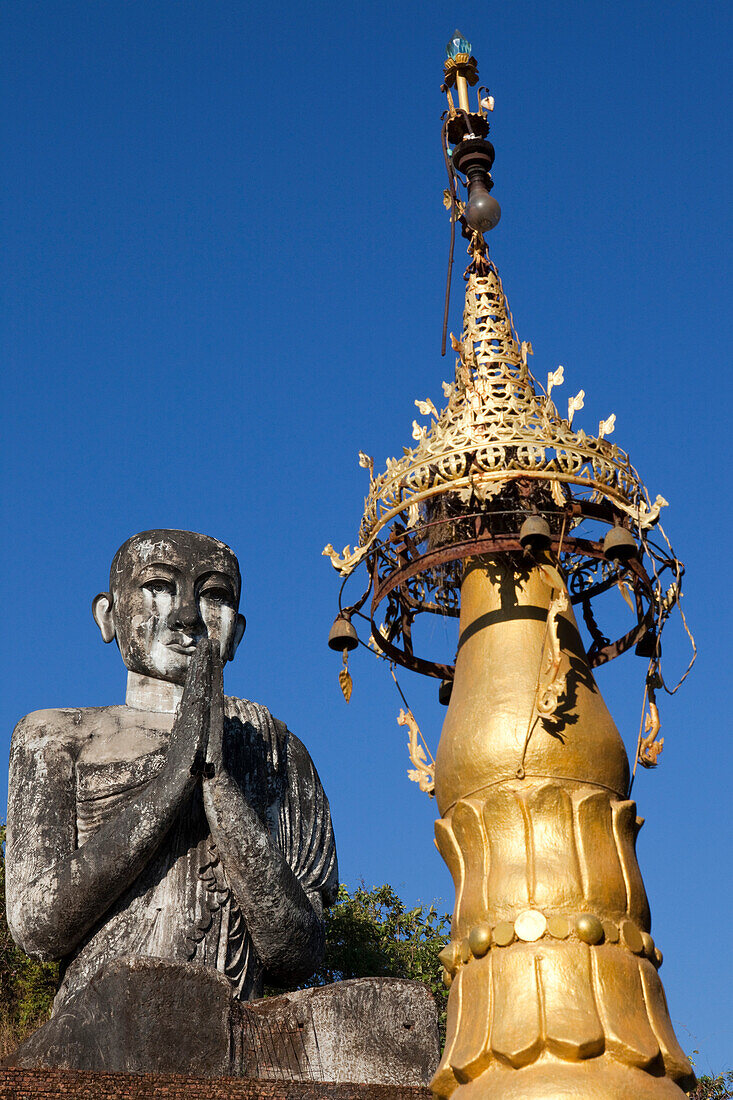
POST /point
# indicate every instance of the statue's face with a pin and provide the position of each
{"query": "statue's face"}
(169, 590)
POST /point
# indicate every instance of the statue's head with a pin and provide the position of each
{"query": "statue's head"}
(167, 589)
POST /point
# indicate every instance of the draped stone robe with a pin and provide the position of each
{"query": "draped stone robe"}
(181, 908)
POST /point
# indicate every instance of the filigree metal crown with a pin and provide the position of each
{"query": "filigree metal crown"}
(497, 453)
(495, 428)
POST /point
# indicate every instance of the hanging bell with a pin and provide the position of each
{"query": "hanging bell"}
(444, 692)
(647, 644)
(342, 635)
(620, 545)
(535, 534)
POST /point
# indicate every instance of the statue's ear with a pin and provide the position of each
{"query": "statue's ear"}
(239, 628)
(104, 615)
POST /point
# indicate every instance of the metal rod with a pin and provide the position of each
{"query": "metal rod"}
(452, 182)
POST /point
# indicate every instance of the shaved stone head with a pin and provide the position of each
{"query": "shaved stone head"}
(168, 589)
(144, 548)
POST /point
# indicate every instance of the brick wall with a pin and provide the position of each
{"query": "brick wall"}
(26, 1084)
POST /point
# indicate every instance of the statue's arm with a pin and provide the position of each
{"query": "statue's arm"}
(57, 891)
(284, 920)
(285, 923)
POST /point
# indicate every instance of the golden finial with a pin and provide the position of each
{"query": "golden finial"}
(460, 69)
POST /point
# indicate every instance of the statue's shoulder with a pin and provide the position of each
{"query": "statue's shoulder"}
(256, 715)
(300, 761)
(57, 727)
(246, 710)
(281, 741)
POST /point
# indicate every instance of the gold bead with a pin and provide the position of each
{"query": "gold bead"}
(631, 937)
(658, 957)
(648, 945)
(589, 928)
(610, 931)
(479, 940)
(504, 933)
(530, 925)
(559, 927)
(447, 979)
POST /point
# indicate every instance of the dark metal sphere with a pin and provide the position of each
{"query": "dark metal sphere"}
(482, 211)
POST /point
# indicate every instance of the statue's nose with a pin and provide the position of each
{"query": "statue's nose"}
(185, 614)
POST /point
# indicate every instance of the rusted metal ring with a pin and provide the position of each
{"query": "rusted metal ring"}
(478, 545)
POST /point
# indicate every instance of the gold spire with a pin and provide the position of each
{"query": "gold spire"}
(552, 968)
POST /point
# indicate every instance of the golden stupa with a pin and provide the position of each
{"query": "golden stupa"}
(507, 516)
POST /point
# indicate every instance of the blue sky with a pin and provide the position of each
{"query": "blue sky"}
(223, 268)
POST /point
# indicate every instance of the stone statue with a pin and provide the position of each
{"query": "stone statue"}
(176, 852)
(183, 826)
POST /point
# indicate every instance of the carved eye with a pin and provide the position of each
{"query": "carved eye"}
(158, 586)
(217, 595)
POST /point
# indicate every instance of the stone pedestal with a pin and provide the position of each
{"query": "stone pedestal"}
(151, 1016)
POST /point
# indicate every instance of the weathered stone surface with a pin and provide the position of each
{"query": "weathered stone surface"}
(146, 1015)
(139, 1016)
(378, 1030)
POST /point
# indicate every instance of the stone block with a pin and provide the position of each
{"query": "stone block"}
(152, 1016)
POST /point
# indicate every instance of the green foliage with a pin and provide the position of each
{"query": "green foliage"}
(370, 934)
(27, 987)
(714, 1088)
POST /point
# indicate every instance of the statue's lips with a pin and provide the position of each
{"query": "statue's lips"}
(178, 647)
